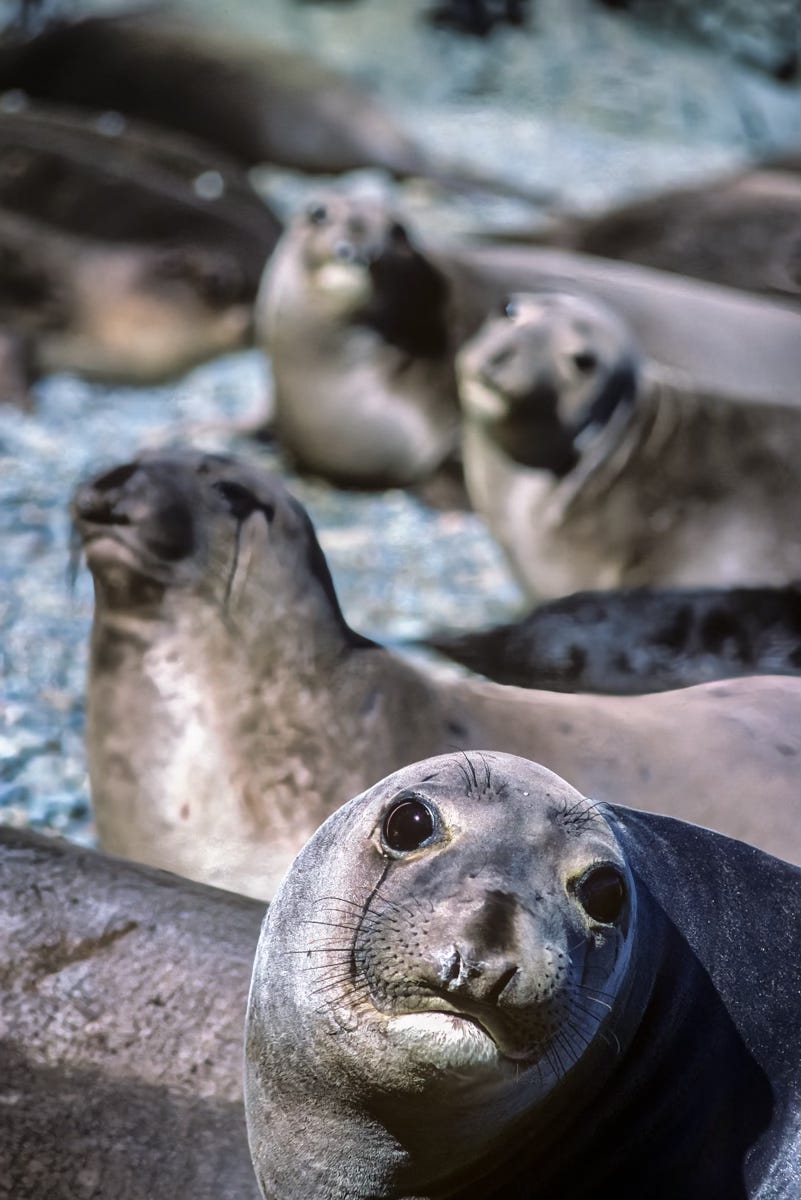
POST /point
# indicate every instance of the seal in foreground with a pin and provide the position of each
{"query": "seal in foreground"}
(474, 982)
(122, 998)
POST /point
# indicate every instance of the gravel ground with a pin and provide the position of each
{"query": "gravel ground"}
(585, 103)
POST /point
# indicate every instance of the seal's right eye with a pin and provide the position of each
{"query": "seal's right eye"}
(240, 501)
(407, 825)
(317, 214)
(601, 892)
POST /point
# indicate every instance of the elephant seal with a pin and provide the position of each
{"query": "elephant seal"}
(122, 312)
(476, 982)
(597, 469)
(112, 179)
(231, 708)
(641, 640)
(355, 320)
(743, 231)
(122, 1001)
(257, 103)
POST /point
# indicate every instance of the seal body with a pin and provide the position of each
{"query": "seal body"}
(595, 470)
(742, 231)
(231, 709)
(123, 996)
(355, 320)
(643, 640)
(256, 103)
(122, 312)
(109, 178)
(475, 982)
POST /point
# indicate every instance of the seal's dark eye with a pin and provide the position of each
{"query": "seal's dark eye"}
(601, 892)
(511, 309)
(240, 501)
(586, 361)
(317, 214)
(407, 825)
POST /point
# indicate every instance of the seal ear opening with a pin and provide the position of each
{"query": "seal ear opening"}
(619, 389)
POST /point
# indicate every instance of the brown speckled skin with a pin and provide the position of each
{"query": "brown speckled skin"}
(122, 998)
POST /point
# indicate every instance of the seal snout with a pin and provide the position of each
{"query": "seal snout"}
(140, 498)
(478, 980)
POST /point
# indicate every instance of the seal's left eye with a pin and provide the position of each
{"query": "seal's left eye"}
(586, 361)
(601, 892)
(407, 825)
(240, 501)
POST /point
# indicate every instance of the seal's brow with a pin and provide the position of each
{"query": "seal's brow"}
(577, 815)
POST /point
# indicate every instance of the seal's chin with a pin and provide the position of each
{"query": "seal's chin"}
(447, 1040)
(480, 401)
(110, 550)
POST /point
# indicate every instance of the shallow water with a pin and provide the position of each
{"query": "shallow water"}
(584, 103)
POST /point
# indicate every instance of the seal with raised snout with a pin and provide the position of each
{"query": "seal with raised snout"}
(231, 708)
(476, 983)
(596, 469)
(355, 319)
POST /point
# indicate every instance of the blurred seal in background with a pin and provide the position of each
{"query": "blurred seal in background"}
(640, 640)
(596, 467)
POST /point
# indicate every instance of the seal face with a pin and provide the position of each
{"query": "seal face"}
(494, 966)
(354, 317)
(465, 938)
(474, 982)
(552, 369)
(596, 469)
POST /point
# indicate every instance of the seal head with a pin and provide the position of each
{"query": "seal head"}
(547, 374)
(451, 943)
(476, 982)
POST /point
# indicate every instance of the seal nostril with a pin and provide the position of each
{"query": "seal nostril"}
(500, 985)
(91, 505)
(115, 478)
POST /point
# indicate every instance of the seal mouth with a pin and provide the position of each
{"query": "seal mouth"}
(113, 557)
(482, 401)
(453, 1040)
(106, 545)
(449, 1026)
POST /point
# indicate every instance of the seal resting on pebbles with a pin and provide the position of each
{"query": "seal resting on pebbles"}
(474, 982)
(598, 468)
(117, 311)
(641, 640)
(355, 319)
(122, 994)
(231, 708)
